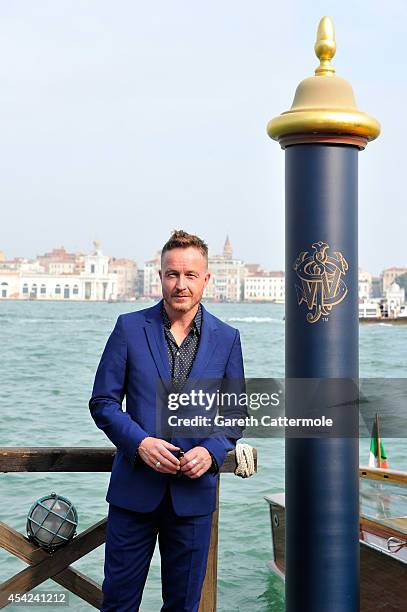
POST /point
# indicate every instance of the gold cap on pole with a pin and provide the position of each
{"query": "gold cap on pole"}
(324, 107)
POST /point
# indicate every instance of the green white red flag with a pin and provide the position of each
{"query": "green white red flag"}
(377, 455)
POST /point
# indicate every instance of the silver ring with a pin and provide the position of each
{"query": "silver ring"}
(194, 461)
(158, 464)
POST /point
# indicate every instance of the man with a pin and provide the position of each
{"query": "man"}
(161, 487)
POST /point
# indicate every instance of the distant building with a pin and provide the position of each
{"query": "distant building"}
(227, 276)
(377, 287)
(29, 280)
(9, 284)
(265, 287)
(19, 263)
(59, 261)
(152, 283)
(395, 298)
(365, 285)
(254, 269)
(11, 273)
(126, 276)
(390, 275)
(389, 306)
(140, 282)
(227, 249)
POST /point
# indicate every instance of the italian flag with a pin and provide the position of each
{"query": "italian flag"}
(377, 455)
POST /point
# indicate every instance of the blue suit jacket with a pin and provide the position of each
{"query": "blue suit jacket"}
(134, 359)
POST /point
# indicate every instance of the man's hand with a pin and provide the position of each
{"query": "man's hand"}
(196, 462)
(156, 454)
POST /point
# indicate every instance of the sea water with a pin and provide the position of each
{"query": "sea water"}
(48, 357)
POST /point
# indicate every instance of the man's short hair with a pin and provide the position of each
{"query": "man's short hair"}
(182, 240)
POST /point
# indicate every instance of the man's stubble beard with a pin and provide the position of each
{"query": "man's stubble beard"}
(184, 308)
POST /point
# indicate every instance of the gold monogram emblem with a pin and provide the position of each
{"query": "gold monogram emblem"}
(322, 285)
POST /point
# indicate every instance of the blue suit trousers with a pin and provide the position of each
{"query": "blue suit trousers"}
(130, 542)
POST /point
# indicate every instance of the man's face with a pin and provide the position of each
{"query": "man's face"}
(184, 276)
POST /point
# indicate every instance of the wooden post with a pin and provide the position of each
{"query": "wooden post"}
(209, 589)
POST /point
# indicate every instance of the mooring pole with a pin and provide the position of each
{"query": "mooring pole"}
(322, 134)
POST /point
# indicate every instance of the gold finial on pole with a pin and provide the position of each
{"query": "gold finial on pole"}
(325, 47)
(324, 109)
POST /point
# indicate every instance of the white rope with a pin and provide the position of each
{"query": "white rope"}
(245, 461)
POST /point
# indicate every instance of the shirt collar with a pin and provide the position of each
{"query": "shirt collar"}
(196, 323)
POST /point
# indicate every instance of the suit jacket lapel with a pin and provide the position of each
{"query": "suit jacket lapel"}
(156, 341)
(206, 348)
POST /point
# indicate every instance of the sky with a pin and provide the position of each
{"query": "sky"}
(121, 121)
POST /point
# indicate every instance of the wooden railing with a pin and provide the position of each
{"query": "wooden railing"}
(44, 565)
(383, 475)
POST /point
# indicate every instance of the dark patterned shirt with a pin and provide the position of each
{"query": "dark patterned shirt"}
(181, 358)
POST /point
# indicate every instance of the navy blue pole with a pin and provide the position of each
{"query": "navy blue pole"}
(322, 512)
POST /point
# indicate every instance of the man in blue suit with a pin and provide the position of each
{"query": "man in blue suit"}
(160, 487)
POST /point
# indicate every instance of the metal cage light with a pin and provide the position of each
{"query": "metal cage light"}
(52, 521)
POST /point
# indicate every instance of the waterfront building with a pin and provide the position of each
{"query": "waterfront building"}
(253, 269)
(11, 271)
(389, 306)
(390, 275)
(152, 283)
(365, 285)
(126, 276)
(376, 286)
(31, 267)
(12, 264)
(227, 276)
(263, 286)
(394, 299)
(29, 280)
(9, 283)
(140, 282)
(59, 261)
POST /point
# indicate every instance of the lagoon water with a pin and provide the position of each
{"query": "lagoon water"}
(49, 353)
